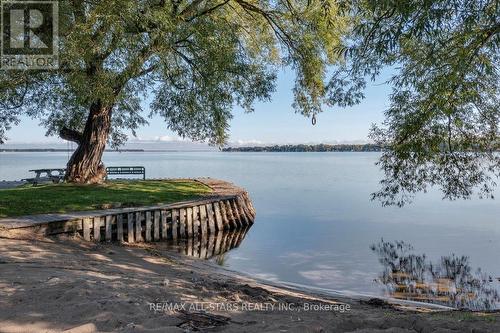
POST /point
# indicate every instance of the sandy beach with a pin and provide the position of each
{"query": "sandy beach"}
(66, 284)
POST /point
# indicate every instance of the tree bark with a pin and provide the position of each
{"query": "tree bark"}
(85, 165)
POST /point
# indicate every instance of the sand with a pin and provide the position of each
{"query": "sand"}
(69, 285)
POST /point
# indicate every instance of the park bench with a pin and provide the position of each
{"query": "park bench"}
(54, 175)
(126, 170)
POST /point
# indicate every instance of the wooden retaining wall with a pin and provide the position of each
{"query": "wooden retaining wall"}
(203, 218)
(227, 208)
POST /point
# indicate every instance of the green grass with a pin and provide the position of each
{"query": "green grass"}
(61, 198)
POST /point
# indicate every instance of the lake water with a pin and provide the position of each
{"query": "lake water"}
(316, 225)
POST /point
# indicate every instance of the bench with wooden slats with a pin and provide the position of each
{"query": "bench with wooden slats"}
(127, 170)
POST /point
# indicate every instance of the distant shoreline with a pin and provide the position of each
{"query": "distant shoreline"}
(302, 148)
(56, 150)
(275, 148)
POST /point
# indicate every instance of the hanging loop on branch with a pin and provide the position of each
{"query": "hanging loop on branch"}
(313, 119)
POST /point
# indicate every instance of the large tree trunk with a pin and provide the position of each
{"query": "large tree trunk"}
(85, 164)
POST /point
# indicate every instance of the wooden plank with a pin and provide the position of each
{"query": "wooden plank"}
(225, 219)
(182, 223)
(236, 213)
(243, 214)
(119, 228)
(87, 223)
(211, 219)
(249, 204)
(97, 229)
(203, 220)
(196, 222)
(175, 224)
(218, 217)
(130, 228)
(138, 227)
(234, 224)
(230, 215)
(189, 222)
(248, 212)
(164, 227)
(149, 225)
(109, 220)
(156, 236)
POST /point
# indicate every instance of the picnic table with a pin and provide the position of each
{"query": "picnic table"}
(54, 175)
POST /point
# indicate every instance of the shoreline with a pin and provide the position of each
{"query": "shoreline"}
(53, 284)
(321, 292)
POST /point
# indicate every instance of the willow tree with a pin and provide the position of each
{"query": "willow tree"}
(191, 60)
(442, 125)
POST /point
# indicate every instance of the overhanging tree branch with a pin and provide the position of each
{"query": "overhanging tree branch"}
(70, 135)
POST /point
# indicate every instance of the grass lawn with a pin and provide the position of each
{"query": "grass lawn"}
(61, 198)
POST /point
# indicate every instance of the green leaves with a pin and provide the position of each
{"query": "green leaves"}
(441, 128)
(195, 60)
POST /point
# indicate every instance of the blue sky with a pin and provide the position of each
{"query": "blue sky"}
(272, 122)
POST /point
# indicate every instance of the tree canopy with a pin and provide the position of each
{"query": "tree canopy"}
(192, 60)
(441, 127)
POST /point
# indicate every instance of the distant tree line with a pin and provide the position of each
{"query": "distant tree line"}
(307, 148)
(56, 150)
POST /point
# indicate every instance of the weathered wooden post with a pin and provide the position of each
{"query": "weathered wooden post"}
(211, 218)
(119, 228)
(97, 228)
(138, 227)
(107, 227)
(196, 221)
(218, 217)
(156, 225)
(175, 217)
(182, 222)
(164, 226)
(149, 224)
(189, 221)
(130, 228)
(87, 222)
(203, 220)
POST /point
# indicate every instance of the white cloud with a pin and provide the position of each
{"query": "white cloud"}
(247, 142)
(160, 138)
(168, 138)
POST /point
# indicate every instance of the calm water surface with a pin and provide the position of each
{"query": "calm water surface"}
(316, 225)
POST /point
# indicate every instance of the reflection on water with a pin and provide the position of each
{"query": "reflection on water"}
(212, 246)
(450, 281)
(315, 220)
